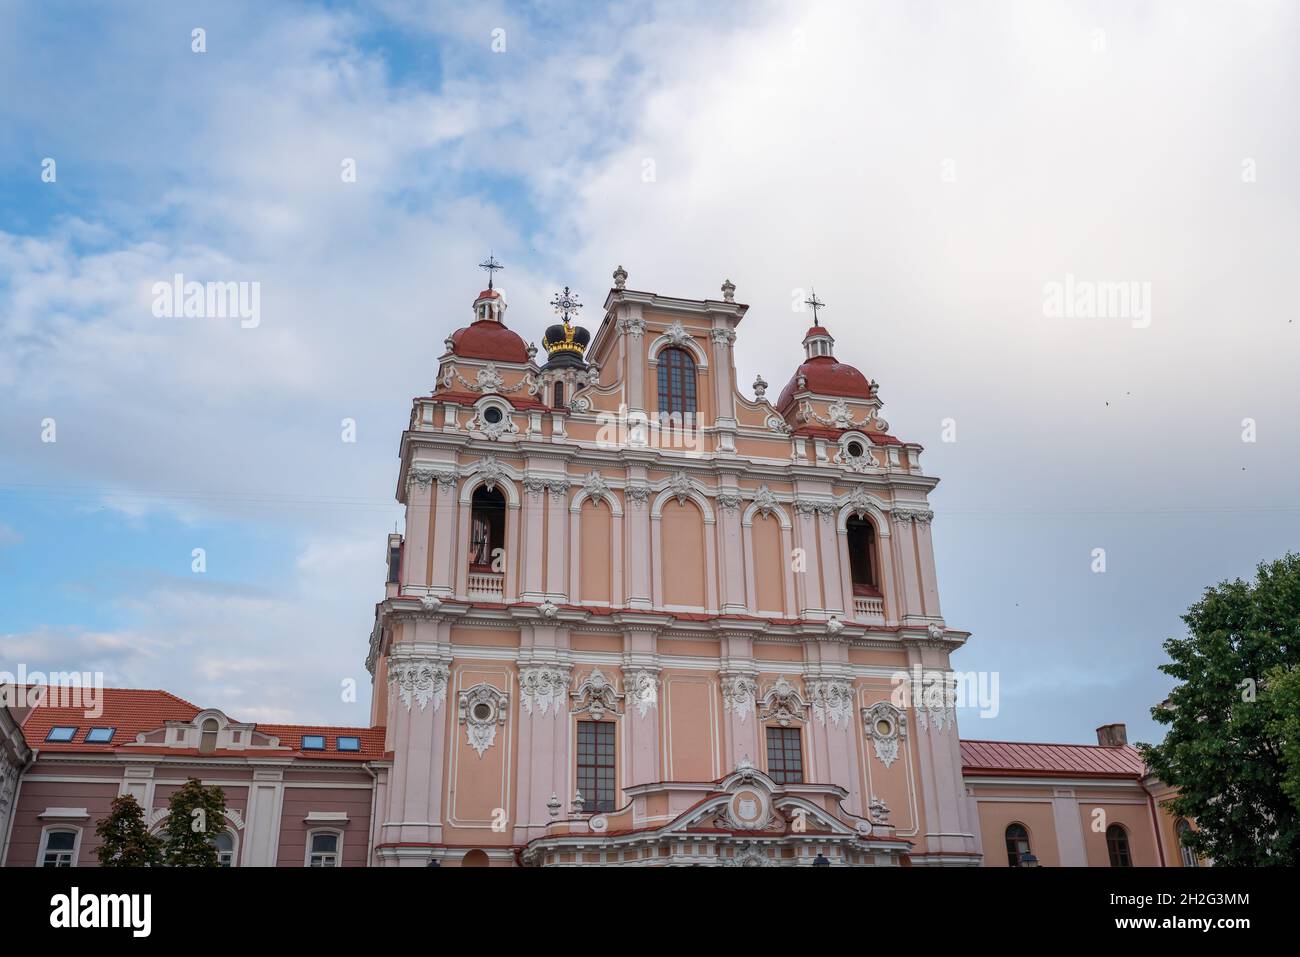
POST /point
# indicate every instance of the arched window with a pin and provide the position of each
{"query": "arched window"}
(1188, 855)
(487, 530)
(225, 844)
(559, 396)
(862, 556)
(208, 736)
(1117, 846)
(59, 847)
(676, 382)
(1017, 844)
(324, 849)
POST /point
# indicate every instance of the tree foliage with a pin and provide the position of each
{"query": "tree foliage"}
(1232, 748)
(195, 818)
(125, 840)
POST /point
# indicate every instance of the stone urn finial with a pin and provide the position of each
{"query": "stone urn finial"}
(620, 278)
(728, 291)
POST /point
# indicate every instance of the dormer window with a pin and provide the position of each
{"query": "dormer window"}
(208, 736)
(313, 742)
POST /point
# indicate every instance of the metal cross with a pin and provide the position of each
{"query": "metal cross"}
(566, 304)
(491, 265)
(816, 304)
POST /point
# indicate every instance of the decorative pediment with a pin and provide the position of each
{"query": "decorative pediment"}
(783, 704)
(596, 696)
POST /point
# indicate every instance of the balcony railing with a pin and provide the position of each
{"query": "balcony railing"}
(869, 609)
(489, 586)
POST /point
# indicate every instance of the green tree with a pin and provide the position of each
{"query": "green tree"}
(125, 841)
(1227, 750)
(196, 817)
(1284, 702)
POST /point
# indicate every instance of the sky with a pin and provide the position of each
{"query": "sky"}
(933, 169)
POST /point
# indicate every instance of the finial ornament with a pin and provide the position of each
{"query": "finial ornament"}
(491, 265)
(566, 305)
(728, 291)
(620, 278)
(816, 304)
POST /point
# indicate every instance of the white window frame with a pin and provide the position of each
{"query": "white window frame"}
(45, 841)
(234, 846)
(338, 846)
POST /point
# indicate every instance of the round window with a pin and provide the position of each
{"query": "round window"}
(492, 415)
(884, 728)
(482, 711)
(855, 449)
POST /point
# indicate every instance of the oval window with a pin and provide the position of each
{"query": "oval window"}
(492, 415)
(855, 450)
(482, 711)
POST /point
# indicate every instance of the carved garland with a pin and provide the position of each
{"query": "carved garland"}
(739, 695)
(543, 687)
(831, 698)
(419, 680)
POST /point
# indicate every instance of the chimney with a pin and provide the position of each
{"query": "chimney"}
(1112, 735)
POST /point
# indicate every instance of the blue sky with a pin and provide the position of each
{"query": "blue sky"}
(927, 166)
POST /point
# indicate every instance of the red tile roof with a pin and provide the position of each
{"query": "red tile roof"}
(132, 711)
(1021, 759)
(823, 375)
(129, 710)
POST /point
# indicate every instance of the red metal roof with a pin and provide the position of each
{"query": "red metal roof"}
(825, 376)
(132, 711)
(1022, 759)
(489, 339)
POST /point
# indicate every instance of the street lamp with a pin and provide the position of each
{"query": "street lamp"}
(820, 861)
(1028, 860)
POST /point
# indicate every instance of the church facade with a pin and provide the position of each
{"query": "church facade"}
(636, 616)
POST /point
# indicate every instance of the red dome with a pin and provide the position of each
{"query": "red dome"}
(825, 376)
(488, 339)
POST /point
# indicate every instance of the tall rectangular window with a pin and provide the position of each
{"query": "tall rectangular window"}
(596, 765)
(784, 755)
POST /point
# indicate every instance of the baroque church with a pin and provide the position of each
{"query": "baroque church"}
(637, 615)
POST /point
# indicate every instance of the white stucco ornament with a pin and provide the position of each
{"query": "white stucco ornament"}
(548, 609)
(419, 681)
(834, 626)
(482, 711)
(542, 688)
